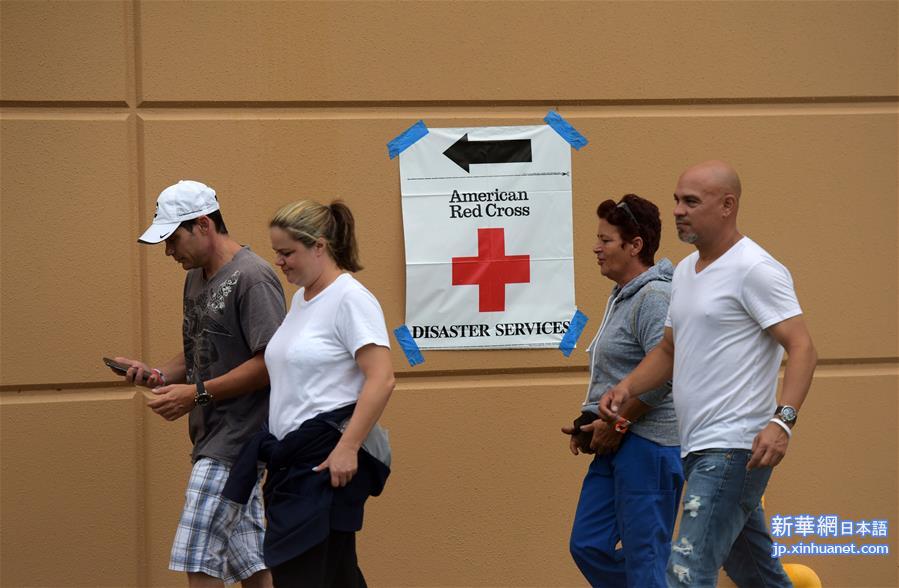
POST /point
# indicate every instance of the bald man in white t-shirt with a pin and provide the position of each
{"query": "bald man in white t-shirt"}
(733, 313)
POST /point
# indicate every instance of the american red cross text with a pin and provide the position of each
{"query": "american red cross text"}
(491, 270)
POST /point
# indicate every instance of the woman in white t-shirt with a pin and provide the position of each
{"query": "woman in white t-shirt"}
(331, 377)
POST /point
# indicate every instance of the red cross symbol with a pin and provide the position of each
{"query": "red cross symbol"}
(491, 270)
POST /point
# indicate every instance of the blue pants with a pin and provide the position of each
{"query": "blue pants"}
(632, 496)
(723, 524)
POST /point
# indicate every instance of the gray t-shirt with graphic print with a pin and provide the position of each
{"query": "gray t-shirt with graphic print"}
(227, 320)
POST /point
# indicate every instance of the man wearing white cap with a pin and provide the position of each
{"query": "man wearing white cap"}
(233, 304)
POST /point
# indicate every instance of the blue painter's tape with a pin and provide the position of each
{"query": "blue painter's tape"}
(407, 138)
(410, 347)
(575, 327)
(568, 132)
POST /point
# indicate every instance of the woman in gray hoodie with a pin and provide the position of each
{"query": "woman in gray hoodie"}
(632, 488)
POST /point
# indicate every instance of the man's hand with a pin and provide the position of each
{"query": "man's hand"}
(343, 461)
(173, 402)
(605, 438)
(768, 447)
(135, 373)
(611, 402)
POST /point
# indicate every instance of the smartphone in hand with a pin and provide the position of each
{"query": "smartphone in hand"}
(122, 369)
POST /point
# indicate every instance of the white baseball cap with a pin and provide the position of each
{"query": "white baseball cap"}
(185, 200)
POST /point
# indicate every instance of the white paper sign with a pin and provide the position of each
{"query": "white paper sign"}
(487, 221)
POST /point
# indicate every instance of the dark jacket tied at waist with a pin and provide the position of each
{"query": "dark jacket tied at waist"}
(301, 507)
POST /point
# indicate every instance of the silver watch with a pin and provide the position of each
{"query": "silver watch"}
(787, 414)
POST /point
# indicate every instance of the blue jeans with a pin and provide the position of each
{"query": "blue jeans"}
(631, 495)
(723, 524)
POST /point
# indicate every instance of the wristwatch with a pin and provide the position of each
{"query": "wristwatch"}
(787, 414)
(202, 397)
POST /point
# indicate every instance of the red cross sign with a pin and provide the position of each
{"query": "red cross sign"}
(487, 223)
(491, 270)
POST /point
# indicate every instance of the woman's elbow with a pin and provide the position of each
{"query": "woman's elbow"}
(389, 383)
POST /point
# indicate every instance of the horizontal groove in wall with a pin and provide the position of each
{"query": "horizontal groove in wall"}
(73, 395)
(64, 103)
(99, 114)
(828, 368)
(483, 103)
(872, 367)
(498, 113)
(858, 368)
(517, 112)
(406, 104)
(858, 361)
(64, 386)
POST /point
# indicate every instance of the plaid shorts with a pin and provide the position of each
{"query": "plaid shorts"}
(216, 536)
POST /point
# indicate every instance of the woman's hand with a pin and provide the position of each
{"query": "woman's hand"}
(343, 461)
(605, 438)
(580, 442)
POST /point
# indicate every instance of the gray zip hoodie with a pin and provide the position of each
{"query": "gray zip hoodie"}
(633, 324)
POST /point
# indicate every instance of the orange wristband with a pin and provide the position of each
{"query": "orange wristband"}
(622, 424)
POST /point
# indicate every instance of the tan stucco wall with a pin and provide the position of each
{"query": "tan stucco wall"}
(105, 103)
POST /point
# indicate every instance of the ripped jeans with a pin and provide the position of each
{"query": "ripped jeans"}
(723, 524)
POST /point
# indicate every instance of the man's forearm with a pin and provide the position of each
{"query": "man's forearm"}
(653, 371)
(248, 377)
(174, 370)
(793, 335)
(801, 361)
(633, 409)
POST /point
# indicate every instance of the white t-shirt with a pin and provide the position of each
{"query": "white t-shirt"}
(725, 363)
(311, 359)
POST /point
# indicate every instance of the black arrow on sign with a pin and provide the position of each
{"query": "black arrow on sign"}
(464, 152)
